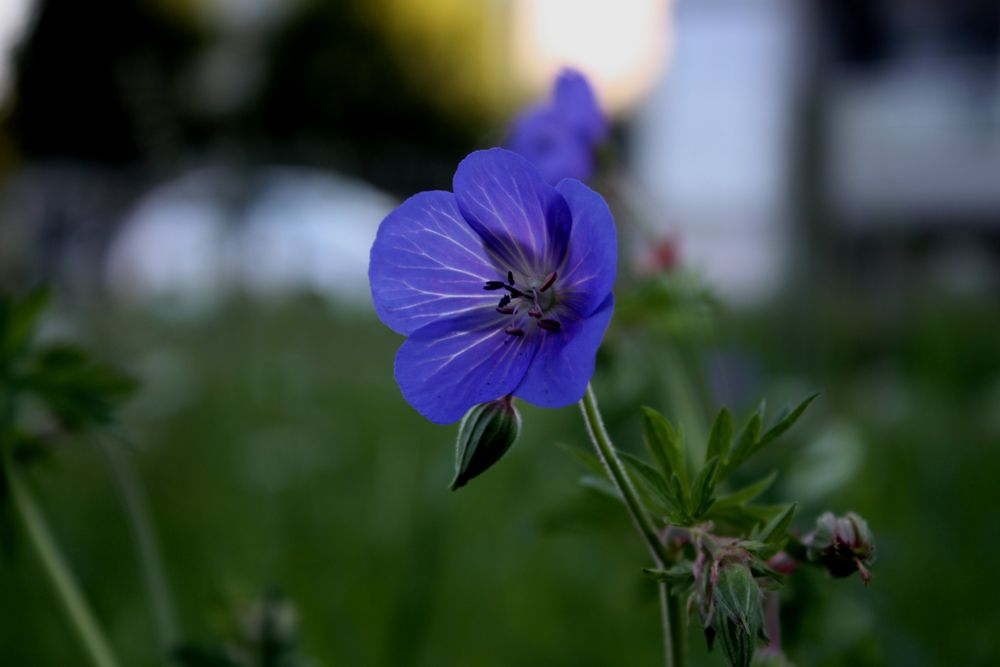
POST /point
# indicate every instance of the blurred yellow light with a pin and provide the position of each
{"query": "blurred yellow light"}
(622, 45)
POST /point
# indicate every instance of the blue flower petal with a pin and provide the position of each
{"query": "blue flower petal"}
(564, 363)
(523, 220)
(447, 367)
(543, 137)
(576, 102)
(427, 264)
(588, 273)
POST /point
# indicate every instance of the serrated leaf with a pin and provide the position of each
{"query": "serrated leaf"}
(784, 422)
(660, 490)
(747, 493)
(681, 496)
(665, 444)
(745, 448)
(703, 488)
(720, 438)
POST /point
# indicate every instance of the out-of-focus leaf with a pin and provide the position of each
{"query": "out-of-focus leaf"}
(77, 390)
(587, 458)
(18, 318)
(665, 444)
(196, 655)
(747, 493)
(600, 484)
(784, 422)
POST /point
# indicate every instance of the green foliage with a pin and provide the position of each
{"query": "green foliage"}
(665, 485)
(76, 391)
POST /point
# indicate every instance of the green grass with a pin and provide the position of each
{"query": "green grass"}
(276, 452)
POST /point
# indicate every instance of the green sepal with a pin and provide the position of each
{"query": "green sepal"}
(486, 433)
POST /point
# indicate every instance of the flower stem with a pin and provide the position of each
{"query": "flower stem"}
(150, 563)
(670, 608)
(80, 615)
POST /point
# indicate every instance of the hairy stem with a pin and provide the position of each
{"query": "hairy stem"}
(674, 626)
(63, 582)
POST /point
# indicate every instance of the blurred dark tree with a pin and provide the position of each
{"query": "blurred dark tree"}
(97, 82)
(336, 94)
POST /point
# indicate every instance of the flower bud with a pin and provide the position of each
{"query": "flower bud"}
(737, 615)
(843, 545)
(486, 433)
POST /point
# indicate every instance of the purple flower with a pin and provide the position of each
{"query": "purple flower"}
(503, 288)
(560, 137)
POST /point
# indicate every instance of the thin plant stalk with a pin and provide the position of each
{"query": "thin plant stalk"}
(141, 525)
(671, 611)
(67, 589)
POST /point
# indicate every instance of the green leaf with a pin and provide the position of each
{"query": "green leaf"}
(776, 531)
(703, 488)
(677, 574)
(655, 483)
(784, 422)
(587, 458)
(18, 319)
(665, 444)
(743, 518)
(748, 492)
(720, 439)
(745, 448)
(79, 391)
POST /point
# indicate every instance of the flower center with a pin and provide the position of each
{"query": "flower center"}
(535, 300)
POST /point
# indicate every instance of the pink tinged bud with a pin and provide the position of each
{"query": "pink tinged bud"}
(843, 545)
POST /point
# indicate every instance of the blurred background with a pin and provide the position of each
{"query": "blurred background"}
(808, 193)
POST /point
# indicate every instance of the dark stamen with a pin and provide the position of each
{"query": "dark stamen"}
(535, 312)
(510, 277)
(515, 293)
(548, 282)
(504, 300)
(493, 284)
(505, 310)
(549, 325)
(514, 331)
